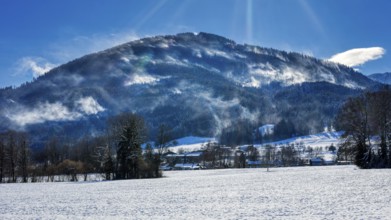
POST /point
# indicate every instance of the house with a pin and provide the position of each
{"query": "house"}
(254, 163)
(185, 161)
(316, 161)
(187, 166)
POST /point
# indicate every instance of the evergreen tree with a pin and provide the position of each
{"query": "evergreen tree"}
(129, 153)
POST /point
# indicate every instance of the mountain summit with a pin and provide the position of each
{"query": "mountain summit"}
(198, 84)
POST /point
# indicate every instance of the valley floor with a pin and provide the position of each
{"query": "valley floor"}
(327, 192)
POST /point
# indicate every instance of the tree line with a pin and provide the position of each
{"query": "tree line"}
(117, 154)
(366, 121)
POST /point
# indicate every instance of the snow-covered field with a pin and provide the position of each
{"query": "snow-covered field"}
(332, 192)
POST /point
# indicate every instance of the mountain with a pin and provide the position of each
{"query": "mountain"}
(384, 78)
(198, 84)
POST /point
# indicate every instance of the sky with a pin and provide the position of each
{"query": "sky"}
(38, 35)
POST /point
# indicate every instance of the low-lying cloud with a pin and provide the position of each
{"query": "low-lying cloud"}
(37, 66)
(56, 111)
(42, 113)
(89, 106)
(358, 56)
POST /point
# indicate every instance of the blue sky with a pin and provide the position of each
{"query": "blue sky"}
(39, 35)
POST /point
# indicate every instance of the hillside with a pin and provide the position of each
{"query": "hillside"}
(198, 84)
(384, 78)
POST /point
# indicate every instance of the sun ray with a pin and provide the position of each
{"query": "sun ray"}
(249, 21)
(150, 14)
(313, 17)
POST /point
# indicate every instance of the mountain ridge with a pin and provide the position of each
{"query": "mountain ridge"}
(384, 78)
(199, 84)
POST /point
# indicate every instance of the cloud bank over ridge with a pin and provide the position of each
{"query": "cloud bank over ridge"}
(358, 56)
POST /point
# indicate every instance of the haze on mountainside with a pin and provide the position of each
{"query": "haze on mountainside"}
(198, 84)
(199, 90)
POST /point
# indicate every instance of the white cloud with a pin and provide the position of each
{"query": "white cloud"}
(141, 79)
(89, 106)
(66, 50)
(37, 66)
(358, 56)
(44, 112)
(55, 112)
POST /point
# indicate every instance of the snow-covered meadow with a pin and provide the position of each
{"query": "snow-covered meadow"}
(332, 192)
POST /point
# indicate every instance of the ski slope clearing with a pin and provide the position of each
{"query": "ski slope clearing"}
(331, 192)
(324, 139)
(191, 143)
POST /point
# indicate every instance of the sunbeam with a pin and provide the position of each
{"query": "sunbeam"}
(313, 17)
(150, 14)
(249, 21)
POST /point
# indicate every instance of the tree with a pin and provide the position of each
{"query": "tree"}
(380, 121)
(346, 150)
(104, 158)
(161, 146)
(268, 155)
(12, 155)
(353, 119)
(284, 129)
(23, 158)
(364, 117)
(252, 153)
(108, 166)
(289, 155)
(240, 132)
(162, 140)
(2, 158)
(152, 163)
(130, 137)
(332, 148)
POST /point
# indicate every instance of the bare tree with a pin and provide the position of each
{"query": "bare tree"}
(12, 155)
(23, 158)
(268, 155)
(2, 158)
(354, 120)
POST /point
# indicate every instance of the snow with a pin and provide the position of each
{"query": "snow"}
(176, 91)
(267, 129)
(253, 83)
(327, 192)
(191, 143)
(352, 85)
(89, 106)
(125, 59)
(214, 52)
(141, 79)
(324, 139)
(194, 140)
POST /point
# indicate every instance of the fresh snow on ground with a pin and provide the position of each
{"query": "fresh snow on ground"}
(324, 139)
(191, 143)
(328, 192)
(267, 129)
